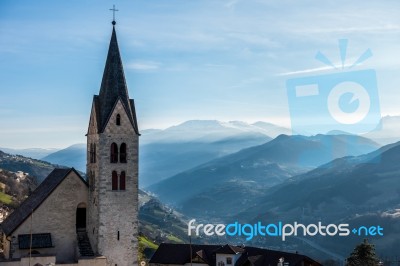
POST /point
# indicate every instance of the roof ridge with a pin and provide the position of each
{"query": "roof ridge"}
(38, 196)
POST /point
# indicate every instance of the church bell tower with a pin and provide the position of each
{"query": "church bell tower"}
(112, 166)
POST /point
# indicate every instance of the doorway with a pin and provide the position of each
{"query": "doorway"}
(81, 216)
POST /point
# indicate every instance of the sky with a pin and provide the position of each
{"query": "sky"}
(183, 60)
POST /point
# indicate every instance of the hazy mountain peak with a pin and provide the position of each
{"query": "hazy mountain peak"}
(266, 164)
(35, 153)
(338, 132)
(284, 137)
(262, 123)
(72, 156)
(196, 124)
(211, 130)
(77, 146)
(387, 131)
(272, 130)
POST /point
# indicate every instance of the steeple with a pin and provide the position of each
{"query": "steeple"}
(112, 166)
(113, 87)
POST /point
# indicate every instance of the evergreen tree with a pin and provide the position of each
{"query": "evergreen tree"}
(363, 255)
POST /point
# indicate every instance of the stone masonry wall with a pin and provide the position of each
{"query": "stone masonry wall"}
(92, 168)
(117, 210)
(57, 216)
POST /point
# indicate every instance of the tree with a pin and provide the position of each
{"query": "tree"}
(363, 255)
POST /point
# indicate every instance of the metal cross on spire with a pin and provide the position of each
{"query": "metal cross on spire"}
(113, 10)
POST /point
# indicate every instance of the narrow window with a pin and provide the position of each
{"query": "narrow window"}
(114, 180)
(114, 153)
(91, 180)
(122, 181)
(118, 120)
(118, 236)
(94, 153)
(91, 153)
(122, 153)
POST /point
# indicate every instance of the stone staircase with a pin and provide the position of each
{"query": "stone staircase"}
(85, 249)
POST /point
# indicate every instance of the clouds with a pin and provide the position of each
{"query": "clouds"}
(180, 56)
(263, 29)
(143, 65)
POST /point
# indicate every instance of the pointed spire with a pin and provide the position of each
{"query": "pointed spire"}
(113, 85)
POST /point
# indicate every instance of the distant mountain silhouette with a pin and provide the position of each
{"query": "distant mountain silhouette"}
(34, 153)
(364, 180)
(362, 190)
(35, 168)
(178, 148)
(210, 131)
(236, 180)
(387, 131)
(72, 156)
(165, 153)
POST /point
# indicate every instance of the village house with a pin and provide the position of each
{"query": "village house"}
(227, 255)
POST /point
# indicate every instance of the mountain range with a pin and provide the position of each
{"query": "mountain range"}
(228, 171)
(34, 153)
(167, 152)
(298, 178)
(35, 168)
(362, 190)
(211, 131)
(387, 131)
(226, 185)
(72, 156)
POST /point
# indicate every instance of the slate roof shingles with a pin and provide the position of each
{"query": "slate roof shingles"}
(180, 254)
(113, 87)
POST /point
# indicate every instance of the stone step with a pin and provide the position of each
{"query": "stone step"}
(85, 249)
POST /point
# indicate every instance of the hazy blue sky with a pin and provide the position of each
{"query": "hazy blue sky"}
(204, 59)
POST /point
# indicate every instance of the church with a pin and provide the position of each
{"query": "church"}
(73, 221)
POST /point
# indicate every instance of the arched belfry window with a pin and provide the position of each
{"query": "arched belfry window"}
(114, 153)
(118, 120)
(122, 153)
(114, 180)
(122, 181)
(118, 182)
